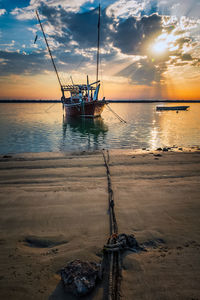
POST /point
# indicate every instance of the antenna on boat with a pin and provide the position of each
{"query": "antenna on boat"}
(49, 50)
(98, 43)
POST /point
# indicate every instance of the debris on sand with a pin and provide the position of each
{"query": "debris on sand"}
(124, 242)
(79, 277)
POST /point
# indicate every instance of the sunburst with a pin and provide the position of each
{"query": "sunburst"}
(165, 42)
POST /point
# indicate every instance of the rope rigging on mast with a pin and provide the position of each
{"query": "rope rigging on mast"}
(49, 50)
(98, 42)
(83, 98)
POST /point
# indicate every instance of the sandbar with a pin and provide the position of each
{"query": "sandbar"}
(54, 209)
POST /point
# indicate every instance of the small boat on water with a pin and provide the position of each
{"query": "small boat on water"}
(83, 98)
(172, 107)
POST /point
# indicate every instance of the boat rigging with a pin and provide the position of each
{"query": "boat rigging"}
(83, 100)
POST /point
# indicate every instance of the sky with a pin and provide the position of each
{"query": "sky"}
(149, 49)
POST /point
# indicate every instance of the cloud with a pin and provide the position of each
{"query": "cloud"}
(186, 57)
(144, 72)
(76, 34)
(73, 41)
(28, 12)
(80, 28)
(125, 8)
(39, 62)
(2, 11)
(131, 35)
(128, 29)
(120, 8)
(19, 63)
(8, 46)
(179, 8)
(130, 8)
(171, 42)
(23, 13)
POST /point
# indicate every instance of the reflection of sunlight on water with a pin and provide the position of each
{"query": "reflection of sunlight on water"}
(182, 128)
(40, 127)
(154, 138)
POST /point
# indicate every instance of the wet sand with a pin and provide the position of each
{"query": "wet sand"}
(54, 208)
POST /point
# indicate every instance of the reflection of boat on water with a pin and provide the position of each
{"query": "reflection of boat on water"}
(83, 98)
(85, 126)
(92, 131)
(172, 107)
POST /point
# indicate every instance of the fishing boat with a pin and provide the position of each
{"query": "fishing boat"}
(172, 107)
(83, 98)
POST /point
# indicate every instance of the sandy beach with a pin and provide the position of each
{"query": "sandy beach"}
(54, 208)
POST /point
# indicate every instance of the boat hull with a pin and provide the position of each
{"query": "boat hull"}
(172, 107)
(85, 109)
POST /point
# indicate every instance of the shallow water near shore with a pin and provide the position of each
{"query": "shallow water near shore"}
(41, 127)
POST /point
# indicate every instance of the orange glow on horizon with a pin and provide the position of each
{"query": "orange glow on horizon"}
(46, 87)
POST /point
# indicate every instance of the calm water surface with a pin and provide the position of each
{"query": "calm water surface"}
(42, 127)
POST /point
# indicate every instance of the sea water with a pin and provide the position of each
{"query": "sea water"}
(42, 127)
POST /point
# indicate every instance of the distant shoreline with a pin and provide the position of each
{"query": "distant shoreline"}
(110, 101)
(153, 101)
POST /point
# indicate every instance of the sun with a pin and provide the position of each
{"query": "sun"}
(163, 43)
(159, 47)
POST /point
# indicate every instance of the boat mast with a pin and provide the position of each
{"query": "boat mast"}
(98, 43)
(72, 80)
(49, 52)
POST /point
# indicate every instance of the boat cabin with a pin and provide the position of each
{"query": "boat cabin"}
(80, 93)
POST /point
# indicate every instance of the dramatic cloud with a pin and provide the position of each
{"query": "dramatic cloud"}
(29, 11)
(19, 63)
(143, 72)
(147, 36)
(78, 27)
(125, 8)
(168, 42)
(131, 35)
(179, 8)
(37, 62)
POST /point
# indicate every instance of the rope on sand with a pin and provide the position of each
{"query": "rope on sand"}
(111, 254)
(79, 277)
(113, 221)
